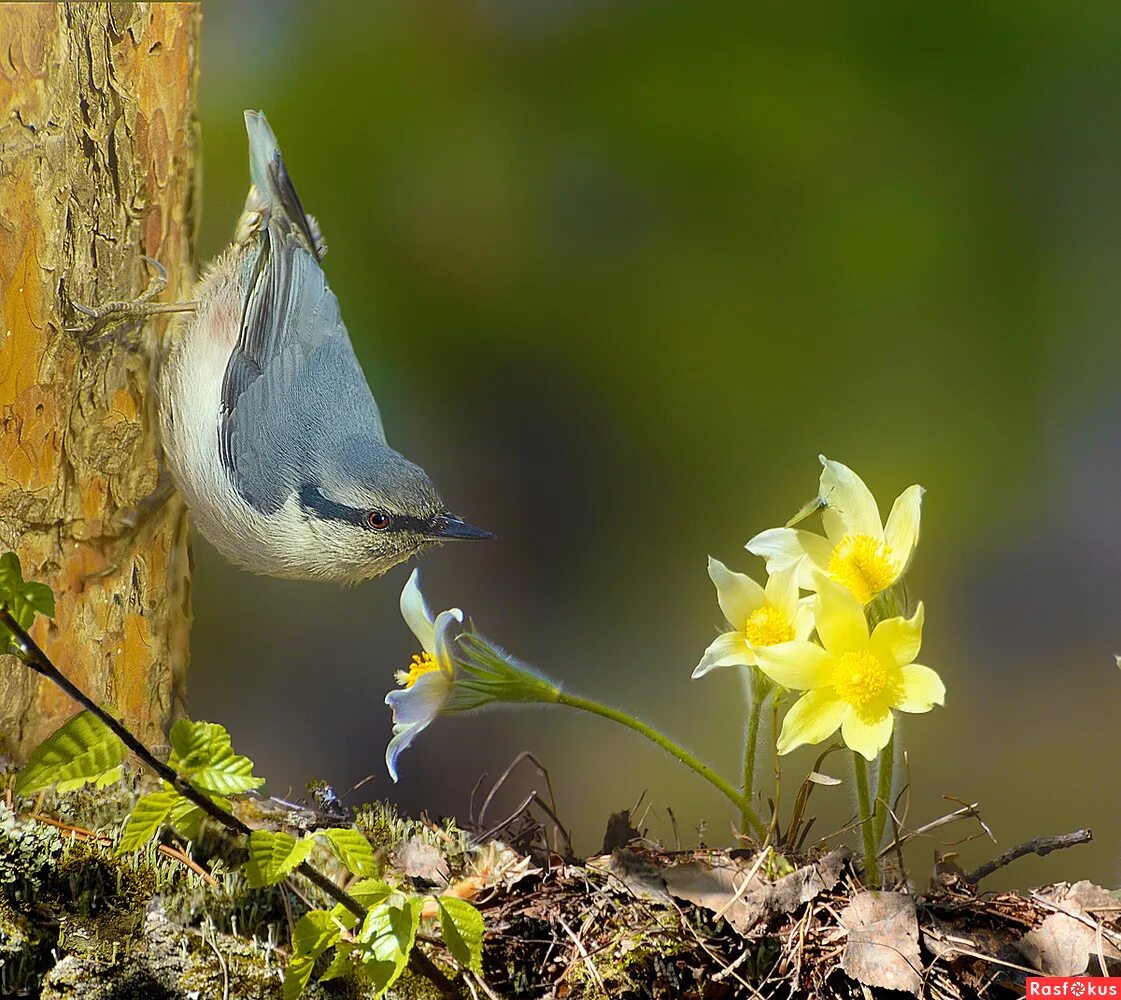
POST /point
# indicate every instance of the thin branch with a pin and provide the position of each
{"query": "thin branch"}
(34, 657)
(1040, 845)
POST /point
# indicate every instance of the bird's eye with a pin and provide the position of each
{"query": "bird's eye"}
(378, 520)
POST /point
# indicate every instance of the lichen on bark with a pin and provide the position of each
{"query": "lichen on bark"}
(98, 144)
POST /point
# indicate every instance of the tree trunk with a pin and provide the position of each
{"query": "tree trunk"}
(98, 146)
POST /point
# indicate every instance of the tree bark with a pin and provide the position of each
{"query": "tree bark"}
(98, 144)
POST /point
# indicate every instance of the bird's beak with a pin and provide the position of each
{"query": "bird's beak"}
(451, 527)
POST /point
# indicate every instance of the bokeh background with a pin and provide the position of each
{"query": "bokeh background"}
(617, 273)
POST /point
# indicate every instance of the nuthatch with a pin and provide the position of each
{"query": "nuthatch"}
(271, 433)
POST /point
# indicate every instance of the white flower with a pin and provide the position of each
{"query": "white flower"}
(860, 552)
(758, 616)
(428, 682)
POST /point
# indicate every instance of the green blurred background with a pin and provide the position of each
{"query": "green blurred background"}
(617, 273)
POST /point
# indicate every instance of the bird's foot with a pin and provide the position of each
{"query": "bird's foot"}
(115, 314)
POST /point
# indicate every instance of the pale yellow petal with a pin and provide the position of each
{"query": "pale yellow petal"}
(795, 665)
(899, 639)
(727, 650)
(804, 618)
(737, 594)
(902, 530)
(867, 734)
(851, 507)
(784, 547)
(812, 718)
(782, 592)
(839, 617)
(922, 689)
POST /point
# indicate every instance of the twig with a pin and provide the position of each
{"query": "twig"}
(34, 657)
(1040, 845)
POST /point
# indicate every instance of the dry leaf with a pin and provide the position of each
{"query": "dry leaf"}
(641, 876)
(620, 832)
(883, 941)
(423, 861)
(721, 888)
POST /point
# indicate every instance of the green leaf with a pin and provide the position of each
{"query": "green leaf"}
(353, 850)
(273, 856)
(463, 930)
(296, 976)
(387, 937)
(341, 964)
(144, 823)
(370, 891)
(201, 752)
(22, 598)
(314, 933)
(84, 749)
(110, 777)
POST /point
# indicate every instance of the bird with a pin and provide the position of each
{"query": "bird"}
(268, 425)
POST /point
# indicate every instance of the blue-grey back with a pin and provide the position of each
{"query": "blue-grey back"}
(295, 403)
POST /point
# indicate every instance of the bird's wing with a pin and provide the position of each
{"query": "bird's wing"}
(292, 385)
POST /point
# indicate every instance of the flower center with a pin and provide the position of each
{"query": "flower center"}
(767, 626)
(862, 564)
(422, 663)
(863, 680)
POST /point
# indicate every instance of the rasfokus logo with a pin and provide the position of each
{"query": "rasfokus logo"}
(1073, 986)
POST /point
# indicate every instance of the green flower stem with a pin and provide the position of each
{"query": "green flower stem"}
(871, 865)
(884, 783)
(683, 755)
(751, 745)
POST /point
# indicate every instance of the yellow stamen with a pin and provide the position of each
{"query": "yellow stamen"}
(767, 626)
(422, 663)
(866, 682)
(862, 564)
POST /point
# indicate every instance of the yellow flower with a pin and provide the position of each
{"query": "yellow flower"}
(758, 616)
(860, 551)
(853, 680)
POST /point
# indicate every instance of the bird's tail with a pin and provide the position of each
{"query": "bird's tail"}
(272, 195)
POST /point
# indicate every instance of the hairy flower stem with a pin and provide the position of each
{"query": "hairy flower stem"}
(750, 748)
(884, 782)
(683, 755)
(32, 656)
(871, 865)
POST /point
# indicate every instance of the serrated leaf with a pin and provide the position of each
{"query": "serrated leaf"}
(202, 753)
(352, 849)
(147, 816)
(370, 891)
(296, 976)
(463, 929)
(186, 818)
(274, 856)
(315, 932)
(83, 749)
(387, 937)
(22, 598)
(100, 781)
(341, 962)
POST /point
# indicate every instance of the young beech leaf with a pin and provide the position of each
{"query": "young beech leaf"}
(147, 816)
(201, 753)
(83, 749)
(387, 937)
(463, 929)
(353, 850)
(314, 933)
(296, 976)
(341, 962)
(370, 891)
(273, 857)
(22, 598)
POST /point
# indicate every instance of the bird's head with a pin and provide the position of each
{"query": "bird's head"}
(375, 511)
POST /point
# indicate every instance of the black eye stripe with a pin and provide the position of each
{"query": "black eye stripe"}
(314, 503)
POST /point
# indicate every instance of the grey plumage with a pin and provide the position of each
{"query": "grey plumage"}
(296, 437)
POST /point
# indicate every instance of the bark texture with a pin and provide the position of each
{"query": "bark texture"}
(98, 145)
